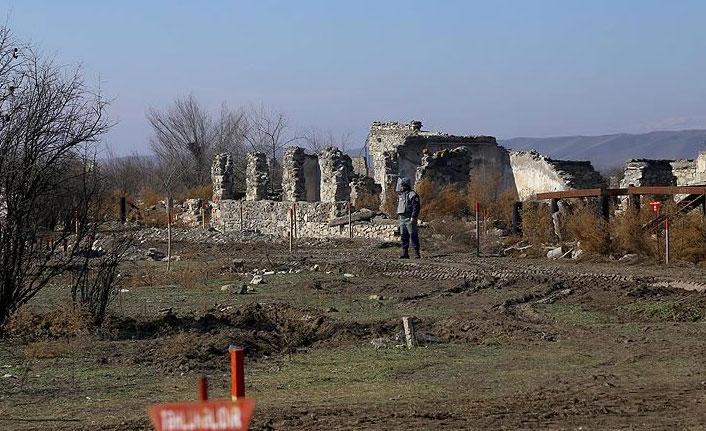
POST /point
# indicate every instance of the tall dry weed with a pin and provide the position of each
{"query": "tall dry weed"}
(537, 226)
(585, 225)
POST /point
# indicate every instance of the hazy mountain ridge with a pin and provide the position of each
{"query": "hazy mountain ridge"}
(608, 151)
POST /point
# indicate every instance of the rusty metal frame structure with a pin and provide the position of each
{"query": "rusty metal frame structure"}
(629, 191)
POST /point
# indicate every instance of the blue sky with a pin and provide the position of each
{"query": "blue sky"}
(505, 68)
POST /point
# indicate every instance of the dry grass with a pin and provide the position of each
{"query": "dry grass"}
(688, 238)
(390, 205)
(62, 321)
(205, 193)
(627, 234)
(445, 202)
(537, 225)
(453, 230)
(586, 226)
(369, 201)
(485, 188)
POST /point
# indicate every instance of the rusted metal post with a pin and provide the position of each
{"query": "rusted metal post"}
(237, 372)
(604, 207)
(123, 210)
(517, 218)
(203, 388)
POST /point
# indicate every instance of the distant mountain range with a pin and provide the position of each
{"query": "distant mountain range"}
(609, 151)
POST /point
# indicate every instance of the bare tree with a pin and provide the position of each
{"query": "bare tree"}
(50, 120)
(186, 137)
(183, 137)
(269, 132)
(316, 140)
(230, 137)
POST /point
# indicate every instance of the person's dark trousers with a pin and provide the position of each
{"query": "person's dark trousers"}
(408, 231)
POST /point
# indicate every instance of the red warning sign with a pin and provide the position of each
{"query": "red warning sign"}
(203, 416)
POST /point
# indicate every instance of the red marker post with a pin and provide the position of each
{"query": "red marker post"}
(205, 415)
(237, 373)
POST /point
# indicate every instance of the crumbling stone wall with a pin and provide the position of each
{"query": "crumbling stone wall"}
(690, 172)
(645, 172)
(270, 217)
(397, 151)
(360, 166)
(293, 178)
(446, 166)
(336, 174)
(312, 177)
(365, 193)
(257, 177)
(535, 173)
(222, 176)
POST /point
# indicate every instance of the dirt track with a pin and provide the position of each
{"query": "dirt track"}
(509, 343)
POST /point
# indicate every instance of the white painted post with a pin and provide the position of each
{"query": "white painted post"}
(666, 241)
(409, 333)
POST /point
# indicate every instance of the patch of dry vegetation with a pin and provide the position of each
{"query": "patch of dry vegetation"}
(537, 225)
(585, 225)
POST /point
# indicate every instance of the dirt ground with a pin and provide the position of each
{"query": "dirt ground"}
(505, 343)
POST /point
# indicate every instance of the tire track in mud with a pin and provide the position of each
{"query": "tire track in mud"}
(448, 269)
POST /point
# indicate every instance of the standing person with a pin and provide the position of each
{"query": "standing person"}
(408, 207)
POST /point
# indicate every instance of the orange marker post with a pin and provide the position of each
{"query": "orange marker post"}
(203, 389)
(237, 373)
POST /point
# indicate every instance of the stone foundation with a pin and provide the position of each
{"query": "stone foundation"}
(271, 217)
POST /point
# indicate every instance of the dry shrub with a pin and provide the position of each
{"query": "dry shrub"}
(390, 205)
(627, 233)
(688, 238)
(149, 197)
(62, 321)
(537, 225)
(205, 193)
(191, 276)
(369, 201)
(47, 349)
(454, 230)
(586, 226)
(485, 188)
(445, 202)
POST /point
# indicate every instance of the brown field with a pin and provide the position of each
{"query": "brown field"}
(507, 343)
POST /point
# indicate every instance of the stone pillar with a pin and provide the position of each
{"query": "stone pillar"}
(293, 178)
(222, 176)
(386, 171)
(336, 172)
(257, 177)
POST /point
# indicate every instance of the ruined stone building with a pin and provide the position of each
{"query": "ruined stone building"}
(405, 150)
(534, 173)
(645, 172)
(322, 184)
